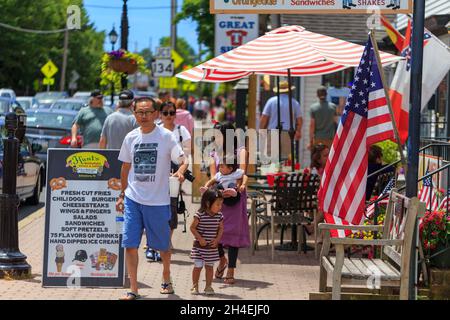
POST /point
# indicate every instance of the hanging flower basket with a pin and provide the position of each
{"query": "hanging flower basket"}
(123, 65)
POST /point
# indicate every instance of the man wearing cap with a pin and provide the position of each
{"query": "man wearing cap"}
(269, 118)
(89, 122)
(324, 120)
(119, 123)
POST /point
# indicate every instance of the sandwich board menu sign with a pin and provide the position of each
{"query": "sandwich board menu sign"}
(82, 235)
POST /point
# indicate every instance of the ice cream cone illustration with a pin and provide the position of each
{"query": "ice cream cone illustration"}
(59, 260)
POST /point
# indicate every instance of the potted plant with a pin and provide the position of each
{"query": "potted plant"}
(121, 61)
(435, 235)
(115, 64)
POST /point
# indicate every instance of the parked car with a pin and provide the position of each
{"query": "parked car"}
(8, 105)
(107, 101)
(70, 104)
(50, 128)
(150, 94)
(27, 102)
(8, 93)
(30, 171)
(50, 96)
(83, 95)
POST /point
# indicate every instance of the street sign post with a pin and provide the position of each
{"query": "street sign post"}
(163, 67)
(163, 52)
(49, 70)
(177, 59)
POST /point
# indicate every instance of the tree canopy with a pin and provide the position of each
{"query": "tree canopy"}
(198, 10)
(23, 54)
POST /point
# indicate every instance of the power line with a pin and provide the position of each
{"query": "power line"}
(7, 26)
(129, 8)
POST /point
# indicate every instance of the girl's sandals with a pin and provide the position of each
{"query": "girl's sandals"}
(130, 296)
(219, 272)
(229, 280)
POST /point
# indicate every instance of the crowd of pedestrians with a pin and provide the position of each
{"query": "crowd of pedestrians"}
(154, 137)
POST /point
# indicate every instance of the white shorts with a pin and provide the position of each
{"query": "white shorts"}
(200, 263)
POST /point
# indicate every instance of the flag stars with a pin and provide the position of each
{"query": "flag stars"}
(356, 79)
(366, 81)
(364, 101)
(361, 93)
(373, 84)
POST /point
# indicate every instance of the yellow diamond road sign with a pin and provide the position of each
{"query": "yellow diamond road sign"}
(49, 69)
(177, 59)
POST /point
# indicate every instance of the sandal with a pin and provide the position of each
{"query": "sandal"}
(229, 280)
(219, 272)
(130, 296)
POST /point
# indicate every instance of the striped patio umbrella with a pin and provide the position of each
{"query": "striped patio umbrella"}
(292, 48)
(286, 51)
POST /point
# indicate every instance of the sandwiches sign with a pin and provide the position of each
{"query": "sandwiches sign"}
(311, 6)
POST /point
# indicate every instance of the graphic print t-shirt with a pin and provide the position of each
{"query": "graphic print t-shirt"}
(150, 156)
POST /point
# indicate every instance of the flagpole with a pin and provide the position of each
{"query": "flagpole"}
(388, 99)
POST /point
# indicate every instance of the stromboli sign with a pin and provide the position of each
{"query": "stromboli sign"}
(310, 6)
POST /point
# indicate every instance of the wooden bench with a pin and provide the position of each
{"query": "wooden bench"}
(392, 269)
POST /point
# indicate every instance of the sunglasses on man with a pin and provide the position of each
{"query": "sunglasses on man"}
(167, 113)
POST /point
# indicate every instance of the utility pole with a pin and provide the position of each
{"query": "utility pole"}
(173, 25)
(62, 83)
(173, 30)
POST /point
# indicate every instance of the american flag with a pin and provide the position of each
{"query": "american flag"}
(428, 194)
(370, 210)
(365, 120)
(445, 203)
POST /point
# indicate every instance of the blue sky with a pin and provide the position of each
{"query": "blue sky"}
(147, 26)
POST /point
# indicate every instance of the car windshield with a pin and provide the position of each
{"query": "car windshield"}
(4, 106)
(50, 120)
(49, 95)
(26, 104)
(68, 105)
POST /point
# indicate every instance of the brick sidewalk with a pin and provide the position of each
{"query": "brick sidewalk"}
(291, 276)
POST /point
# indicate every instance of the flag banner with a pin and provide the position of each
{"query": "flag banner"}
(365, 120)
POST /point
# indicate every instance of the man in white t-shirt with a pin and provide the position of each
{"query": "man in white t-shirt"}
(146, 155)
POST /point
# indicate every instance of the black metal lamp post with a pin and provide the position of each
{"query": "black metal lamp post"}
(113, 36)
(124, 38)
(12, 262)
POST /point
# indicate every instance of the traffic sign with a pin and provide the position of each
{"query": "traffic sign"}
(49, 81)
(163, 52)
(168, 83)
(49, 69)
(162, 68)
(177, 59)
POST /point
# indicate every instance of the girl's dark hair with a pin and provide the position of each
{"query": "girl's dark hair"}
(208, 198)
(316, 154)
(375, 153)
(231, 162)
(168, 104)
(223, 127)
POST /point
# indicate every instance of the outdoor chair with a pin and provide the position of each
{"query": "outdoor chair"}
(392, 268)
(293, 202)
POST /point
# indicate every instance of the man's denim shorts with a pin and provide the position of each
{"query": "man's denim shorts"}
(155, 221)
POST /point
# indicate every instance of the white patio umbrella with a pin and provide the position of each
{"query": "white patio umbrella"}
(286, 51)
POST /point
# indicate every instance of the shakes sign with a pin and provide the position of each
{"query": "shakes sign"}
(310, 6)
(234, 30)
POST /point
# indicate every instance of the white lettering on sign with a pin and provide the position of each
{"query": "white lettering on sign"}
(233, 31)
